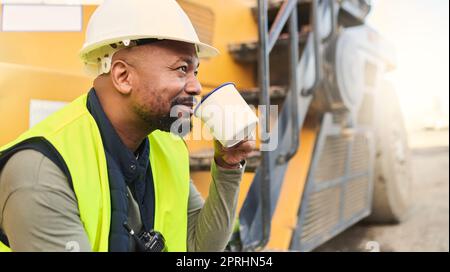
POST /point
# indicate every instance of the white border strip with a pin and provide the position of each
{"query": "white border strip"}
(42, 18)
(53, 2)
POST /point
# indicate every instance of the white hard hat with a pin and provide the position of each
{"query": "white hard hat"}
(115, 24)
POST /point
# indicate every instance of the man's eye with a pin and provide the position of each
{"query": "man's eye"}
(183, 69)
(195, 73)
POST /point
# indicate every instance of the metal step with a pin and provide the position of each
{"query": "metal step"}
(201, 160)
(277, 95)
(248, 52)
(251, 96)
(303, 7)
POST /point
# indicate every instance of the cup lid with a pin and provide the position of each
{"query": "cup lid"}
(211, 92)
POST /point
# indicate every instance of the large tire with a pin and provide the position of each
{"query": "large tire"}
(392, 175)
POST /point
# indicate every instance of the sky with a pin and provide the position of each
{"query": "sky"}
(419, 30)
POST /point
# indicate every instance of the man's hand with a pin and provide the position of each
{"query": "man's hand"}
(230, 158)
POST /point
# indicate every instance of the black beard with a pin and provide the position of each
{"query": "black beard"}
(178, 125)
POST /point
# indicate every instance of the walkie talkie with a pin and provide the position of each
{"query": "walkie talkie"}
(152, 241)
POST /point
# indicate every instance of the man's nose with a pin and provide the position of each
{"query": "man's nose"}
(193, 86)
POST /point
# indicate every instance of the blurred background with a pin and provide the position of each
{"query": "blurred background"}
(419, 31)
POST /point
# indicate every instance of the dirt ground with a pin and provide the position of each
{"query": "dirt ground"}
(427, 227)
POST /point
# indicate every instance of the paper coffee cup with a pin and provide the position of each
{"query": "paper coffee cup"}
(227, 115)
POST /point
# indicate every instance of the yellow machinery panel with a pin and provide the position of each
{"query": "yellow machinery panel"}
(52, 50)
(20, 84)
(38, 65)
(285, 216)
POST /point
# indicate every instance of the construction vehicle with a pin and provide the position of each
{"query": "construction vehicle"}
(341, 154)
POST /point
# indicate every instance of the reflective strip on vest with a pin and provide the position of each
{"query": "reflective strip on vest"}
(75, 135)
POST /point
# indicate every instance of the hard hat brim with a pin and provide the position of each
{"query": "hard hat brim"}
(203, 50)
(206, 51)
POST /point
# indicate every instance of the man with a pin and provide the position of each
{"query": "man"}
(106, 166)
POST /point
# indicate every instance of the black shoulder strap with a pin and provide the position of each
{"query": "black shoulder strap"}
(4, 239)
(42, 146)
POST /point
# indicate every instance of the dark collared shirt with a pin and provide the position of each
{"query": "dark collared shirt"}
(125, 168)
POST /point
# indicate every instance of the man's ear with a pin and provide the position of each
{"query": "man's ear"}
(121, 77)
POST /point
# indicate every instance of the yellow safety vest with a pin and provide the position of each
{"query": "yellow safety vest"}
(75, 135)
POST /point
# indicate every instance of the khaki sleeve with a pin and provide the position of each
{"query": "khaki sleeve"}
(210, 222)
(38, 208)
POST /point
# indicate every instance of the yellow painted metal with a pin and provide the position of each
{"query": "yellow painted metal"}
(285, 216)
(19, 84)
(38, 65)
(53, 50)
